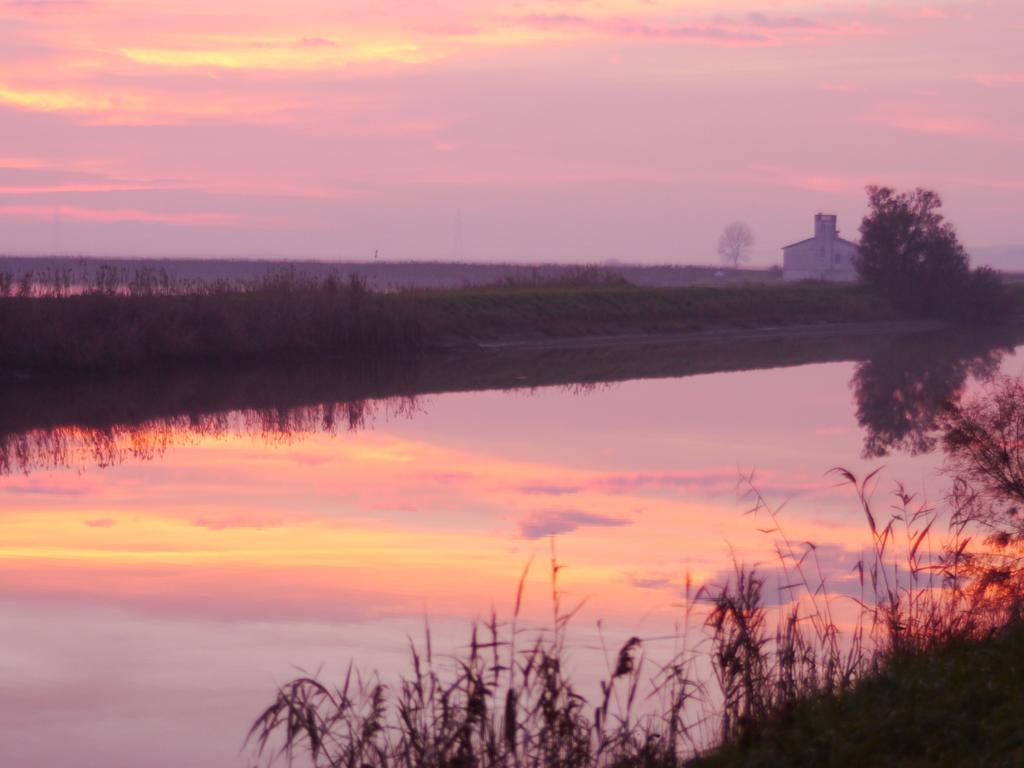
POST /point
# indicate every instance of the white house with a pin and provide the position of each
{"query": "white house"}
(826, 256)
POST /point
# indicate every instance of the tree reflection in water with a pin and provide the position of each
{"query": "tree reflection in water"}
(76, 446)
(903, 389)
(64, 447)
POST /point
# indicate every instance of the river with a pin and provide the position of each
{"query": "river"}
(173, 550)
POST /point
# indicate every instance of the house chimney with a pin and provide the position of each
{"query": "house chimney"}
(825, 227)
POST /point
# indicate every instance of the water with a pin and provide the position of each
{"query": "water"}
(172, 551)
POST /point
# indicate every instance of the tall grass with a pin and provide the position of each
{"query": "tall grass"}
(116, 322)
(507, 701)
(148, 322)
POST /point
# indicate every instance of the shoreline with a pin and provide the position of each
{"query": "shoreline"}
(290, 323)
(767, 332)
(583, 343)
(139, 398)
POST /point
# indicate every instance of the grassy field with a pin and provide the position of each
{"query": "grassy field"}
(277, 320)
(515, 311)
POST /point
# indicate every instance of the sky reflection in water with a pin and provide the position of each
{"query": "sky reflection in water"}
(158, 602)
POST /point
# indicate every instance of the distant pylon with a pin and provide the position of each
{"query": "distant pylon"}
(57, 235)
(459, 247)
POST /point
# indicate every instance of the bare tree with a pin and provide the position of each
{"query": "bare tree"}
(734, 243)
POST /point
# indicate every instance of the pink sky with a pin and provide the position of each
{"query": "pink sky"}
(580, 130)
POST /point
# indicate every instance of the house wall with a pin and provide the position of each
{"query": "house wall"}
(820, 259)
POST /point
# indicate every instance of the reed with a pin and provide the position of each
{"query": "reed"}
(112, 321)
(507, 701)
(504, 702)
(148, 323)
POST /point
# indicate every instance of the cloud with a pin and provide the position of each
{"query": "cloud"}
(557, 521)
(54, 485)
(839, 572)
(111, 216)
(637, 29)
(838, 88)
(45, 7)
(756, 29)
(816, 181)
(926, 119)
(931, 12)
(1000, 79)
(309, 459)
(26, 176)
(56, 99)
(254, 54)
(945, 126)
(316, 42)
(650, 583)
(782, 22)
(446, 478)
(710, 481)
(101, 522)
(238, 520)
(550, 490)
(703, 483)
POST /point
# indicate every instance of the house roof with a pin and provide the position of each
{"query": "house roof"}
(812, 239)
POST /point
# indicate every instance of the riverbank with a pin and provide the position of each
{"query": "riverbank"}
(956, 705)
(896, 373)
(286, 321)
(146, 397)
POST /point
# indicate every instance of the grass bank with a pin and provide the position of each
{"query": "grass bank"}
(559, 311)
(962, 704)
(286, 319)
(899, 384)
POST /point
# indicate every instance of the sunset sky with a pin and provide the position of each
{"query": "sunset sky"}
(580, 130)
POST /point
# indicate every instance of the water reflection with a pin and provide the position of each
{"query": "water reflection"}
(900, 388)
(903, 388)
(133, 593)
(65, 447)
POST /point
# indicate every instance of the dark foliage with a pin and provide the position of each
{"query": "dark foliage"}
(984, 442)
(912, 256)
(903, 389)
(144, 322)
(960, 705)
(116, 327)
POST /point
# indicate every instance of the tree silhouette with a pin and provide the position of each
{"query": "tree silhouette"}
(907, 385)
(735, 241)
(912, 255)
